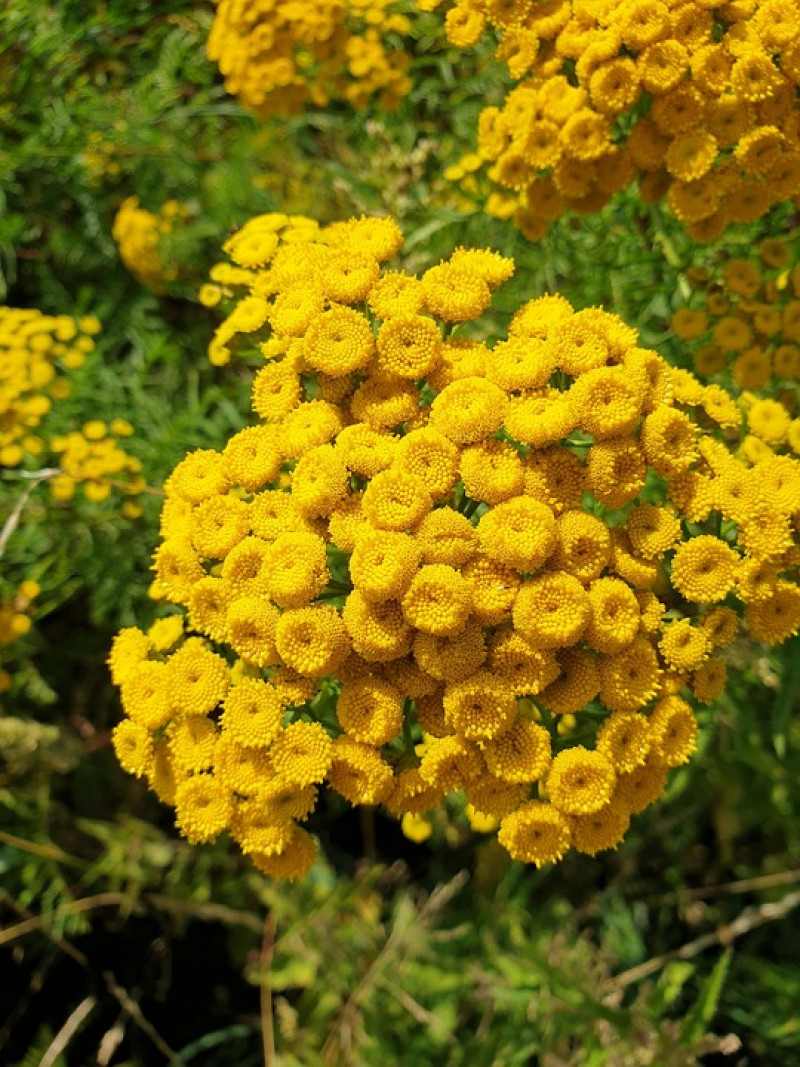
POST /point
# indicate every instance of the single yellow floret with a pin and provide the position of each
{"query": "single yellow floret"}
(580, 782)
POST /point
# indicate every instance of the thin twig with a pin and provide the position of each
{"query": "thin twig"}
(267, 1020)
(75, 907)
(413, 1007)
(47, 852)
(117, 484)
(65, 1034)
(208, 913)
(132, 1009)
(12, 522)
(179, 908)
(342, 1030)
(750, 919)
(33, 476)
(744, 885)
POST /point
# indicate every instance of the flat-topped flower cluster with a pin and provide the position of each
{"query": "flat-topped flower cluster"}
(744, 328)
(698, 101)
(280, 57)
(138, 234)
(427, 551)
(38, 353)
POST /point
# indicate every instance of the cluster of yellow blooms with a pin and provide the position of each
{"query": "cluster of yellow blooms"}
(36, 353)
(15, 620)
(280, 57)
(747, 323)
(697, 99)
(251, 247)
(93, 458)
(435, 565)
(100, 158)
(138, 233)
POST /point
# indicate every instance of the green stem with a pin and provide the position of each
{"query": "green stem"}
(408, 740)
(471, 508)
(547, 718)
(333, 589)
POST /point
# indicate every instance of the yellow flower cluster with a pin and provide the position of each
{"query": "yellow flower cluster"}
(138, 233)
(746, 326)
(278, 58)
(93, 458)
(100, 158)
(15, 619)
(698, 100)
(16, 609)
(430, 565)
(251, 248)
(36, 352)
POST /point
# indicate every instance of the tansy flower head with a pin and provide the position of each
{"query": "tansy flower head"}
(521, 754)
(528, 669)
(673, 731)
(428, 455)
(312, 640)
(370, 710)
(552, 611)
(252, 712)
(704, 569)
(584, 545)
(519, 533)
(203, 807)
(198, 679)
(130, 647)
(535, 833)
(601, 830)
(438, 600)
(624, 738)
(580, 782)
(480, 707)
(409, 346)
(133, 746)
(684, 646)
(615, 615)
(395, 500)
(468, 410)
(383, 564)
(359, 773)
(450, 659)
(302, 753)
(629, 679)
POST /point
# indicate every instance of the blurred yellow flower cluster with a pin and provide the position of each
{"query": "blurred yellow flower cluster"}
(36, 352)
(278, 58)
(747, 322)
(138, 233)
(93, 458)
(15, 619)
(697, 100)
(100, 158)
(435, 564)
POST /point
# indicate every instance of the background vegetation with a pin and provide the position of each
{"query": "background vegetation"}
(121, 944)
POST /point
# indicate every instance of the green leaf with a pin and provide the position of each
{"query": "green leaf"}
(668, 988)
(697, 1021)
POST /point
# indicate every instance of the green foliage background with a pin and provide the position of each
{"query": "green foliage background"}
(123, 945)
